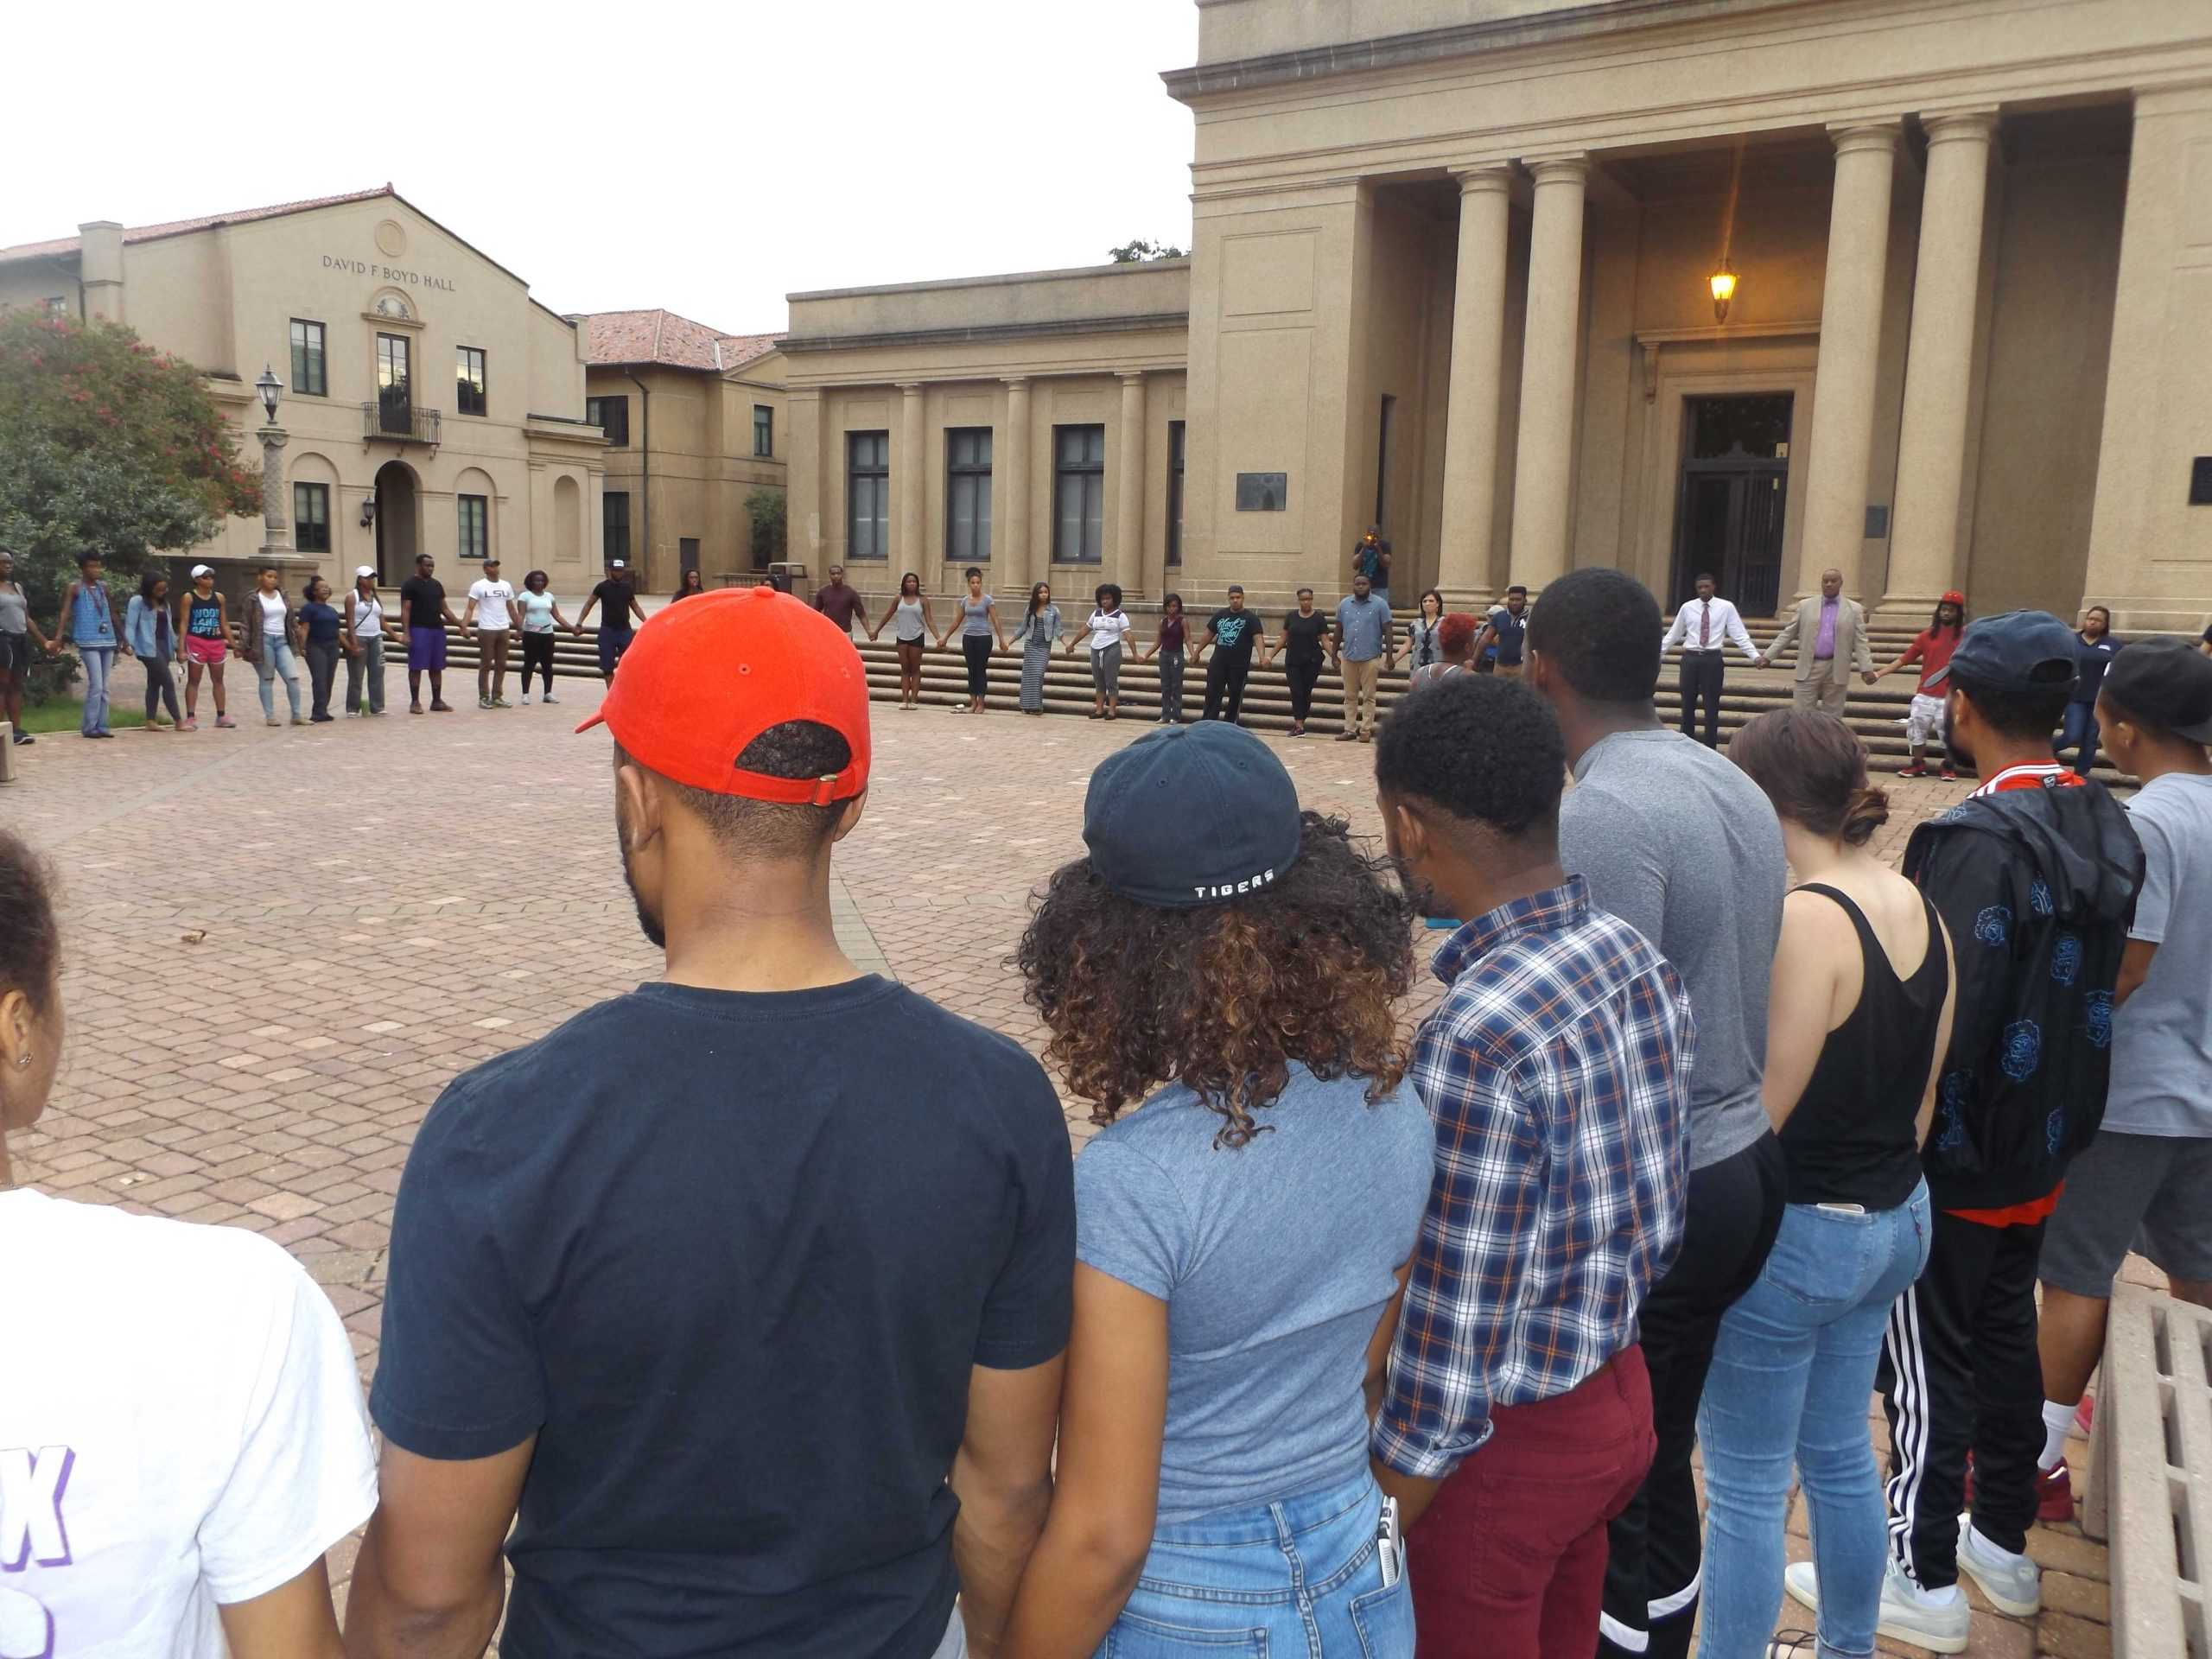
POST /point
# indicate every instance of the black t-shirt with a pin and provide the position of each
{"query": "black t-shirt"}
(733, 1274)
(1235, 633)
(1303, 635)
(614, 598)
(427, 596)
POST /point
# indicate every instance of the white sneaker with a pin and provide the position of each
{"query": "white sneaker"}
(549, 697)
(2012, 1583)
(1938, 1620)
(526, 699)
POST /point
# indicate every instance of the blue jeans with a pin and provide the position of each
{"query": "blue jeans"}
(99, 662)
(2080, 727)
(1791, 1373)
(275, 658)
(1300, 1576)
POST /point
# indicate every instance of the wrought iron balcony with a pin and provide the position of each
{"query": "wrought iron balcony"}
(398, 421)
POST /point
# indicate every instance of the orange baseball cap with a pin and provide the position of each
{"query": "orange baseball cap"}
(705, 677)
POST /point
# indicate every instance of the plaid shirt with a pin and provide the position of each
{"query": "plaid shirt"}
(1557, 1070)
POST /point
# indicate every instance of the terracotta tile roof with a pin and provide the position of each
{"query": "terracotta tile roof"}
(670, 341)
(62, 247)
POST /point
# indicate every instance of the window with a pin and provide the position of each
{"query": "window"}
(311, 517)
(611, 415)
(309, 376)
(764, 431)
(867, 496)
(57, 305)
(468, 381)
(968, 493)
(395, 398)
(1174, 492)
(615, 520)
(475, 526)
(1078, 494)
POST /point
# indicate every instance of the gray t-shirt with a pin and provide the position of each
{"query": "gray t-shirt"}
(1275, 1260)
(1363, 626)
(2162, 1036)
(1685, 848)
(15, 610)
(975, 616)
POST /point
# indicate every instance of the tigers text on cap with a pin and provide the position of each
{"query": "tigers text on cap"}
(1194, 815)
(2166, 683)
(706, 677)
(2017, 651)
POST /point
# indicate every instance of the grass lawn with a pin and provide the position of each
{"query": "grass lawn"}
(62, 714)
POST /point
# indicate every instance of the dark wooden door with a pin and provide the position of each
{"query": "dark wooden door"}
(1732, 500)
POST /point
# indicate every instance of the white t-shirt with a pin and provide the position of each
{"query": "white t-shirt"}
(494, 602)
(536, 610)
(1107, 628)
(274, 607)
(368, 616)
(180, 1427)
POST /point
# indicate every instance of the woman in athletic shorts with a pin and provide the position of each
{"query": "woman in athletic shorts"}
(910, 611)
(204, 623)
(18, 634)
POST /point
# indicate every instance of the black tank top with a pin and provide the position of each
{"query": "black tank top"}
(1852, 1138)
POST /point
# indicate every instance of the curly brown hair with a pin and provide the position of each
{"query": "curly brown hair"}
(1221, 998)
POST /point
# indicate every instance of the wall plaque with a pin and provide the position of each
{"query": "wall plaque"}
(2200, 482)
(1262, 491)
(1877, 523)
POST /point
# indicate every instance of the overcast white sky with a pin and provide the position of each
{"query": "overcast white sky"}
(709, 158)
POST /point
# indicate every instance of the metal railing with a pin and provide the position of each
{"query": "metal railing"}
(399, 422)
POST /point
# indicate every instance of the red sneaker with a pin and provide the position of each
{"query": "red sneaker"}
(2055, 1495)
(1950, 775)
(1917, 769)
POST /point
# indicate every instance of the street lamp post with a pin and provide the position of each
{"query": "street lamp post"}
(276, 527)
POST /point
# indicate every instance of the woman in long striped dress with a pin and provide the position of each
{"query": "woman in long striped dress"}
(1039, 633)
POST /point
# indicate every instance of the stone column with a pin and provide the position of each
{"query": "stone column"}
(1938, 364)
(1477, 372)
(1851, 340)
(1128, 492)
(1543, 469)
(276, 518)
(1010, 517)
(909, 479)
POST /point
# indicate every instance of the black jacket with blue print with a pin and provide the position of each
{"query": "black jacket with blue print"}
(2037, 888)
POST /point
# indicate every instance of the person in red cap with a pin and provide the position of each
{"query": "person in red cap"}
(755, 1345)
(1924, 724)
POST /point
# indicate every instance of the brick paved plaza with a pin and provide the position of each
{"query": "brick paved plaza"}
(282, 945)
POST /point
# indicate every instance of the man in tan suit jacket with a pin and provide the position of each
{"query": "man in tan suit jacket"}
(1829, 635)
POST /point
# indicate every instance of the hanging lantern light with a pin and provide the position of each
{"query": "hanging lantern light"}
(1723, 281)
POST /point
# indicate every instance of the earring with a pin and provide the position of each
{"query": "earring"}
(23, 1060)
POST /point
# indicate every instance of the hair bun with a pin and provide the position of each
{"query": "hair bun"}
(1867, 811)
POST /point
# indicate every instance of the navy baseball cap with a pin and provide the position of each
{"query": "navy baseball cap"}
(1191, 815)
(2167, 683)
(2016, 651)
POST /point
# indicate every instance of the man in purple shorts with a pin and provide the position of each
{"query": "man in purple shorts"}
(425, 616)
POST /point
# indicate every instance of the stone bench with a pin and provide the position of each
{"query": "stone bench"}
(2150, 1494)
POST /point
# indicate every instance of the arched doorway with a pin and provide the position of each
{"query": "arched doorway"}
(399, 522)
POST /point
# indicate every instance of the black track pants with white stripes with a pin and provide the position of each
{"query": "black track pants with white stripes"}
(1960, 1372)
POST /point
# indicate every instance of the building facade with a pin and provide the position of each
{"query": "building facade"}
(429, 403)
(695, 424)
(1454, 271)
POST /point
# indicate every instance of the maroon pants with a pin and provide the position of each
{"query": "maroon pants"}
(1509, 1560)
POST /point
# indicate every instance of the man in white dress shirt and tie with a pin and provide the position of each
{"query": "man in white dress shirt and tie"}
(1699, 628)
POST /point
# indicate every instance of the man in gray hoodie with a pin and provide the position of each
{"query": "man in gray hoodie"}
(1677, 842)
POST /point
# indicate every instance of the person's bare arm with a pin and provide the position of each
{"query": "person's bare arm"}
(1114, 1416)
(1927, 1116)
(1378, 1345)
(1801, 995)
(428, 1584)
(2134, 969)
(1003, 1476)
(293, 1621)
